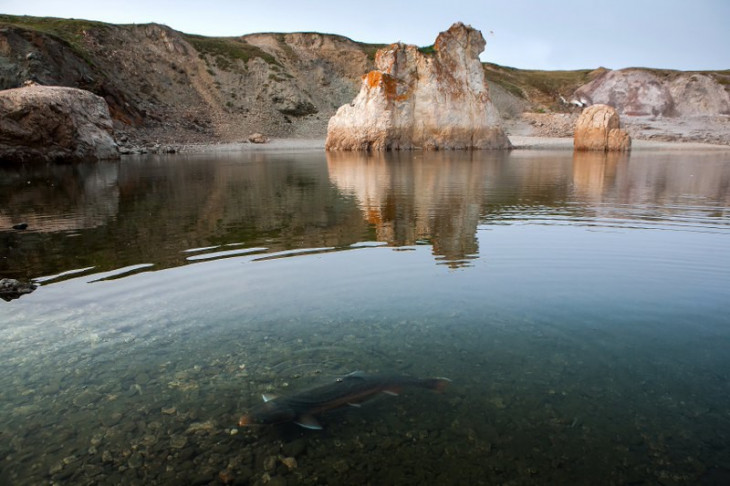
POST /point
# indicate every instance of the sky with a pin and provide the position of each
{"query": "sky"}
(527, 34)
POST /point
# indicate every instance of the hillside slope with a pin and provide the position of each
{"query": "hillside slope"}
(168, 87)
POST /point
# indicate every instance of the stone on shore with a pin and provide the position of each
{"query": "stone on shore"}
(54, 124)
(12, 289)
(599, 128)
(422, 100)
(258, 138)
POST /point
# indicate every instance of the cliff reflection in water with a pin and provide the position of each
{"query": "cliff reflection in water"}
(153, 210)
(670, 190)
(420, 197)
(442, 197)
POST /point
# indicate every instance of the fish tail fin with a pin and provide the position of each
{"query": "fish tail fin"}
(437, 384)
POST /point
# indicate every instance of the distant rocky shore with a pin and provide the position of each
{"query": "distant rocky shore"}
(166, 90)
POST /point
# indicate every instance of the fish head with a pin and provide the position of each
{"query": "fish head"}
(271, 412)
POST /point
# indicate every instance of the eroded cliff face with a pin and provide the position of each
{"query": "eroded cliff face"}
(418, 100)
(163, 85)
(642, 92)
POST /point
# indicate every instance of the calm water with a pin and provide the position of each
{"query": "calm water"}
(581, 306)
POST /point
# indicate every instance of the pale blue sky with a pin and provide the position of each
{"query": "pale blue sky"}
(549, 34)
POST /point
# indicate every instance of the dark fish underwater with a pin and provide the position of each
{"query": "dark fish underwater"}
(351, 389)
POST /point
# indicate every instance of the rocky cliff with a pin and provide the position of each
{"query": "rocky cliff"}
(641, 92)
(163, 85)
(168, 87)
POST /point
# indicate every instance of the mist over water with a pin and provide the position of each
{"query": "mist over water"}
(577, 302)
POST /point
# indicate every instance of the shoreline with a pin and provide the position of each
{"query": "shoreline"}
(519, 142)
(566, 143)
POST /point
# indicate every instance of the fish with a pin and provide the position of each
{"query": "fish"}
(349, 390)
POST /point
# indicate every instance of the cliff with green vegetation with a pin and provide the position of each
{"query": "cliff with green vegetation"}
(169, 87)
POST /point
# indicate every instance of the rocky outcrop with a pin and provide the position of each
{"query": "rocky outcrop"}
(642, 92)
(422, 100)
(11, 289)
(54, 124)
(599, 128)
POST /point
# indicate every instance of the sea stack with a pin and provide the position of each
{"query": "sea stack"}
(432, 98)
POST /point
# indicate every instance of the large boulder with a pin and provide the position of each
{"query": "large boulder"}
(599, 128)
(422, 99)
(54, 124)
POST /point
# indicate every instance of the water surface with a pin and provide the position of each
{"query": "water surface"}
(578, 303)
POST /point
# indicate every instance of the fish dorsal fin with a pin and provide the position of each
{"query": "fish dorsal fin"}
(267, 397)
(308, 422)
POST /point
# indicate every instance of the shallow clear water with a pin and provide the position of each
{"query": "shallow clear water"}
(579, 304)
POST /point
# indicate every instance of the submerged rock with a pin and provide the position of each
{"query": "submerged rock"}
(54, 124)
(599, 128)
(418, 99)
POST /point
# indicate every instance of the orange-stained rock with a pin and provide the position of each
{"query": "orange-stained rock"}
(417, 100)
(599, 128)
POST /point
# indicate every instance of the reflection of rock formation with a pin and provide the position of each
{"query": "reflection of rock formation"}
(410, 197)
(59, 198)
(593, 171)
(651, 188)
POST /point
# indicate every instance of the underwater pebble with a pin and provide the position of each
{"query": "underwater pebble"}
(197, 427)
(226, 477)
(277, 481)
(270, 463)
(85, 398)
(294, 448)
(178, 441)
(289, 462)
(142, 378)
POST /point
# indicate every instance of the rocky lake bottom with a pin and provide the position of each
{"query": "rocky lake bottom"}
(577, 303)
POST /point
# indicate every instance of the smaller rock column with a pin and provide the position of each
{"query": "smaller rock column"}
(599, 128)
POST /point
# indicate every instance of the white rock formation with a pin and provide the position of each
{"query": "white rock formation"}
(422, 100)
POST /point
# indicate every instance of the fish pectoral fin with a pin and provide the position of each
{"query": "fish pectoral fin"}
(308, 422)
(355, 375)
(356, 405)
(267, 397)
